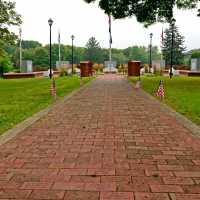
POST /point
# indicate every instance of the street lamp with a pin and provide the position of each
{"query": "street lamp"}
(50, 21)
(72, 52)
(151, 35)
(172, 24)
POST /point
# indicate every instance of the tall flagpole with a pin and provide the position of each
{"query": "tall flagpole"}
(110, 40)
(162, 38)
(20, 48)
(59, 43)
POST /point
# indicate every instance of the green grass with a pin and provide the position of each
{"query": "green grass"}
(21, 98)
(182, 93)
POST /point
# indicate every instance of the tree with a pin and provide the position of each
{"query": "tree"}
(177, 51)
(29, 44)
(8, 17)
(139, 53)
(93, 51)
(6, 63)
(195, 53)
(147, 12)
(41, 57)
(119, 57)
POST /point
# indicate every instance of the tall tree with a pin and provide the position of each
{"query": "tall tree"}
(29, 44)
(41, 57)
(147, 12)
(6, 63)
(177, 50)
(8, 17)
(93, 51)
(139, 53)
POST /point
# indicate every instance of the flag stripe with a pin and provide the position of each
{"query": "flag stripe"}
(53, 89)
(160, 92)
(138, 84)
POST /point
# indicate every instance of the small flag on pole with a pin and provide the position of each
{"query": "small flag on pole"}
(81, 81)
(160, 92)
(138, 84)
(162, 38)
(53, 89)
(59, 36)
(109, 22)
(20, 32)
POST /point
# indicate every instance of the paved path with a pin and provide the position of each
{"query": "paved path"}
(105, 141)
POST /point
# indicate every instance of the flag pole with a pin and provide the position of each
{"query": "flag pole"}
(110, 40)
(20, 48)
(59, 43)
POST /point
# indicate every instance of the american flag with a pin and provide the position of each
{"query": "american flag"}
(20, 31)
(160, 92)
(109, 22)
(81, 81)
(162, 38)
(53, 89)
(59, 36)
(138, 84)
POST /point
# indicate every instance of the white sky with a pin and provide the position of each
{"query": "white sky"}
(75, 17)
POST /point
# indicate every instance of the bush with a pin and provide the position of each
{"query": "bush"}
(18, 71)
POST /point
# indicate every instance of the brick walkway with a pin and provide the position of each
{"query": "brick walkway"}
(107, 141)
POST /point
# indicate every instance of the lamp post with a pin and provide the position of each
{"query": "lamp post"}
(72, 52)
(50, 21)
(151, 35)
(172, 24)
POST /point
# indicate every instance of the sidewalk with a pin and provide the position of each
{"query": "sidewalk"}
(104, 141)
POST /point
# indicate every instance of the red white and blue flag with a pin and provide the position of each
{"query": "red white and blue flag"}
(20, 32)
(53, 89)
(138, 84)
(160, 92)
(109, 22)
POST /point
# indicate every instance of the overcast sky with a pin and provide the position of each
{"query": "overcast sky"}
(75, 17)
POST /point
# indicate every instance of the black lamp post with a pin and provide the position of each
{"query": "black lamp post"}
(151, 35)
(72, 53)
(50, 21)
(172, 24)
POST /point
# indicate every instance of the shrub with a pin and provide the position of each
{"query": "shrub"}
(101, 66)
(18, 71)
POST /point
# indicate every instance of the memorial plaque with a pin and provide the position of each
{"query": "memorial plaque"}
(36, 185)
(100, 187)
(101, 172)
(116, 196)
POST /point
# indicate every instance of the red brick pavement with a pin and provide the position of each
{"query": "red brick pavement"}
(108, 141)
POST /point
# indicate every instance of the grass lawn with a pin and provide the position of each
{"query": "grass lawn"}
(21, 98)
(182, 93)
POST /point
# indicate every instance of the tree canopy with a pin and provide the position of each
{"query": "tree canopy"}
(146, 12)
(8, 17)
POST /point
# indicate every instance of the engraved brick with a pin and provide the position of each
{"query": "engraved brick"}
(115, 179)
(150, 196)
(68, 186)
(178, 181)
(100, 187)
(36, 186)
(17, 194)
(185, 196)
(85, 179)
(101, 172)
(186, 174)
(73, 172)
(156, 173)
(194, 189)
(166, 188)
(171, 167)
(47, 194)
(129, 172)
(82, 195)
(140, 187)
(116, 195)
(44, 171)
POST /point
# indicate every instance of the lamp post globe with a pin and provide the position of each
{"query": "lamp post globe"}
(172, 26)
(50, 22)
(151, 35)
